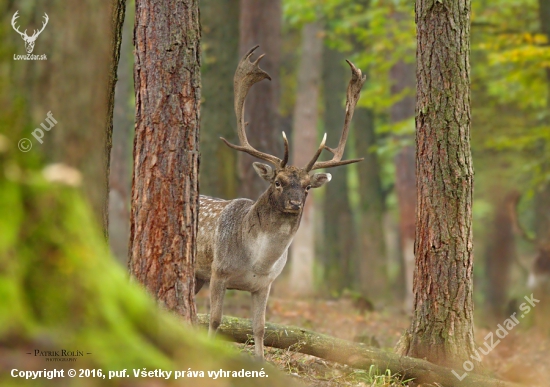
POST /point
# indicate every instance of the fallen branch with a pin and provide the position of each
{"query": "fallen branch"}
(355, 355)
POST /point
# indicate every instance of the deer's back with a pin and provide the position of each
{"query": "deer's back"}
(210, 210)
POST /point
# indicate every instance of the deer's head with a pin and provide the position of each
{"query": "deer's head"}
(289, 185)
(29, 40)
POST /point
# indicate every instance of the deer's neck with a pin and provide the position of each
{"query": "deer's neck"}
(272, 231)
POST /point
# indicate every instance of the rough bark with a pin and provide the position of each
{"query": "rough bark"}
(220, 53)
(260, 23)
(304, 146)
(164, 213)
(442, 327)
(372, 263)
(501, 251)
(338, 220)
(120, 182)
(356, 355)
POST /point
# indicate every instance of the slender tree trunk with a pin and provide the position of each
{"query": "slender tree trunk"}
(541, 266)
(442, 326)
(501, 250)
(260, 23)
(165, 181)
(305, 145)
(220, 52)
(403, 77)
(117, 23)
(373, 278)
(120, 181)
(338, 221)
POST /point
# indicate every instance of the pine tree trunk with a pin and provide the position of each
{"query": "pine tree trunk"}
(372, 265)
(220, 53)
(442, 327)
(304, 146)
(165, 180)
(260, 23)
(338, 221)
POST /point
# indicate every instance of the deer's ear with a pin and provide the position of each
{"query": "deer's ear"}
(265, 171)
(319, 179)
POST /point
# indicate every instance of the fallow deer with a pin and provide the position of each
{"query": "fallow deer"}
(243, 244)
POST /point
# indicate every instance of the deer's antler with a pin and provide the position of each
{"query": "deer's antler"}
(353, 93)
(13, 19)
(247, 74)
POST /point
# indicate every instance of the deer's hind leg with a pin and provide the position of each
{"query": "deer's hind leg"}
(217, 293)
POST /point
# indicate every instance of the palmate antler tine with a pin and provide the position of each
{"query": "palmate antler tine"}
(247, 74)
(353, 93)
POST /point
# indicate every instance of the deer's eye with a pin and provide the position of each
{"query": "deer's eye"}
(308, 188)
(277, 184)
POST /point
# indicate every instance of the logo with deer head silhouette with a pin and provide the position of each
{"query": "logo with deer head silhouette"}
(29, 40)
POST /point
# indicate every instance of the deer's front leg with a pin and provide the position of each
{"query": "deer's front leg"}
(259, 302)
(217, 292)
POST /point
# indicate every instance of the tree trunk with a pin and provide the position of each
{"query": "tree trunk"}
(541, 266)
(120, 182)
(260, 23)
(403, 77)
(501, 251)
(373, 276)
(304, 147)
(165, 181)
(338, 221)
(356, 355)
(117, 23)
(542, 207)
(220, 52)
(442, 327)
(67, 142)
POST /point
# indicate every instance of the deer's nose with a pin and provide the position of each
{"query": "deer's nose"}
(297, 204)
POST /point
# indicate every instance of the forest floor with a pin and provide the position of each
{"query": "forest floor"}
(522, 356)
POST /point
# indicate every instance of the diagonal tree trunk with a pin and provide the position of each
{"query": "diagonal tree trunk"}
(441, 330)
(260, 23)
(305, 144)
(165, 182)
